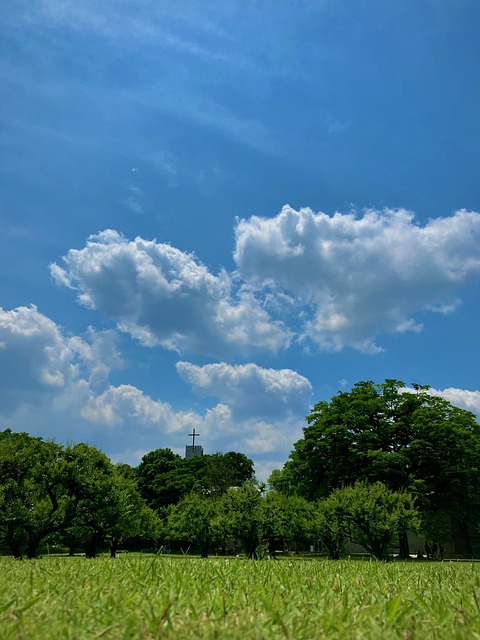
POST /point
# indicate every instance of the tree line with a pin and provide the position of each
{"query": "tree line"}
(373, 463)
(75, 497)
(409, 440)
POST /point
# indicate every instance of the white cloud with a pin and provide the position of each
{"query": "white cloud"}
(261, 411)
(266, 407)
(128, 405)
(48, 376)
(338, 281)
(40, 365)
(267, 438)
(36, 359)
(361, 276)
(163, 296)
(57, 385)
(462, 398)
(130, 412)
(250, 390)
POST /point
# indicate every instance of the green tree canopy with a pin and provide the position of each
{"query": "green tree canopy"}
(109, 508)
(33, 502)
(286, 518)
(195, 520)
(408, 441)
(74, 493)
(369, 514)
(242, 517)
(164, 478)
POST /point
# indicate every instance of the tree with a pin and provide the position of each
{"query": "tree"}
(368, 514)
(332, 524)
(156, 478)
(33, 504)
(282, 481)
(409, 441)
(286, 518)
(106, 505)
(136, 520)
(164, 478)
(73, 493)
(300, 517)
(129, 517)
(94, 498)
(242, 517)
(275, 522)
(194, 520)
(376, 514)
(220, 472)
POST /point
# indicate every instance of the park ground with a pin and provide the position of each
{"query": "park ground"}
(148, 597)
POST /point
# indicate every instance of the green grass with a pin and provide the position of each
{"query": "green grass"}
(186, 598)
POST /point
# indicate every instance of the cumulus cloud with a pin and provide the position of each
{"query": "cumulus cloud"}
(337, 281)
(249, 389)
(267, 438)
(57, 385)
(356, 276)
(163, 296)
(126, 404)
(48, 376)
(38, 362)
(126, 410)
(266, 406)
(462, 398)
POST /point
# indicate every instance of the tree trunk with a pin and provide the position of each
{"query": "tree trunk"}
(13, 543)
(461, 536)
(32, 548)
(250, 548)
(71, 551)
(272, 548)
(113, 545)
(204, 546)
(403, 543)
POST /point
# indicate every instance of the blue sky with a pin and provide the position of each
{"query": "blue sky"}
(215, 214)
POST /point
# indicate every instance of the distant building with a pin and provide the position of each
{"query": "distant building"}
(193, 450)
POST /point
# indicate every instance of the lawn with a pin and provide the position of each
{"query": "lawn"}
(150, 597)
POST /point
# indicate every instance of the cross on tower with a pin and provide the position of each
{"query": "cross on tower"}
(193, 435)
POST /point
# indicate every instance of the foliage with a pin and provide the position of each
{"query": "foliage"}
(241, 516)
(281, 481)
(33, 503)
(409, 441)
(195, 520)
(375, 515)
(332, 524)
(220, 472)
(75, 493)
(157, 478)
(286, 518)
(164, 478)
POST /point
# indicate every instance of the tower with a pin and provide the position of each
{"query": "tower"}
(193, 450)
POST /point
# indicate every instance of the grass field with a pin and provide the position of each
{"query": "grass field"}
(184, 598)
